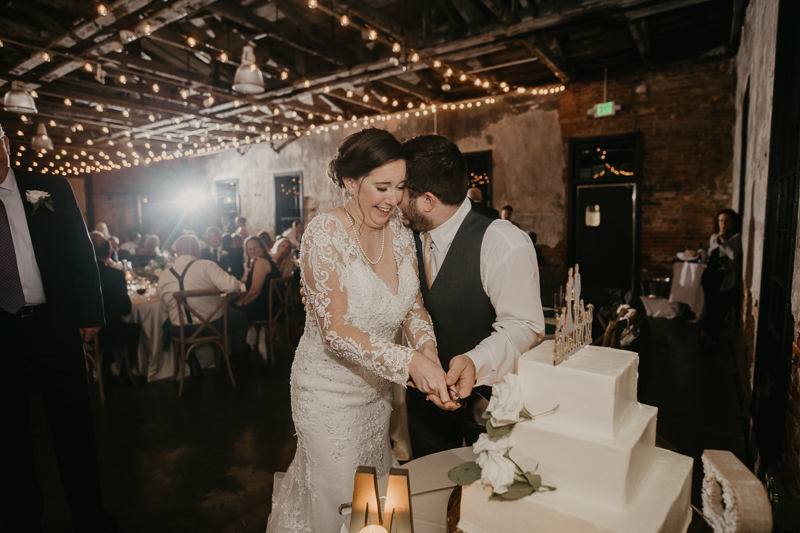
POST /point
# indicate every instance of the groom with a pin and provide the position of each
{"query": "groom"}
(480, 284)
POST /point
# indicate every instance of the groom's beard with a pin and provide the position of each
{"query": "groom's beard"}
(414, 219)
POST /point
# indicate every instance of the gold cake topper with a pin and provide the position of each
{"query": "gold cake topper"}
(574, 323)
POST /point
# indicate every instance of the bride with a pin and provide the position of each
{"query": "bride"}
(360, 276)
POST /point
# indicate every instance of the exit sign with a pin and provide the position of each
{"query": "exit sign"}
(604, 110)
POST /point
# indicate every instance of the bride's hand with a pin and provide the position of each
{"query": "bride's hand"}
(429, 378)
(429, 351)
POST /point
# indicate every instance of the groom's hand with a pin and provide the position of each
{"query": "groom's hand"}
(429, 378)
(461, 375)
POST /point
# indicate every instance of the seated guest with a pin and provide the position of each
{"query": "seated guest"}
(506, 213)
(151, 250)
(132, 244)
(116, 333)
(476, 197)
(215, 251)
(108, 261)
(227, 225)
(260, 270)
(191, 273)
(282, 256)
(267, 238)
(102, 227)
(236, 256)
(295, 233)
(114, 248)
(241, 228)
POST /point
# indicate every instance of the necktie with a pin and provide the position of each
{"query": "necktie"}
(12, 299)
(427, 245)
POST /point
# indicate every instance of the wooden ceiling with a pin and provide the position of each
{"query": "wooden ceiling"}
(317, 69)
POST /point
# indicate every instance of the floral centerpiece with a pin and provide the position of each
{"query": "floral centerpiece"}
(494, 466)
(153, 269)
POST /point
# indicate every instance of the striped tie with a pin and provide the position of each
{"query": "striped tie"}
(12, 299)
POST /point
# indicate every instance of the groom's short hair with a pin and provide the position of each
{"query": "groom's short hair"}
(436, 165)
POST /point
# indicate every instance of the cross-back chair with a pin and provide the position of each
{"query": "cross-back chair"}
(205, 333)
(279, 305)
(94, 352)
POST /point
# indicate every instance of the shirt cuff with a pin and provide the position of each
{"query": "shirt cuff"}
(484, 371)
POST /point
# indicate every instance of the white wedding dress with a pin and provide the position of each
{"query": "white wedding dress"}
(343, 371)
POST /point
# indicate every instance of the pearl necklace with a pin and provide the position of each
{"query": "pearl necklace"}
(355, 234)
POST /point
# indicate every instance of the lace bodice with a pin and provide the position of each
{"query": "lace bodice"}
(353, 310)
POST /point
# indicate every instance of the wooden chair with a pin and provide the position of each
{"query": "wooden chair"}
(626, 317)
(94, 352)
(205, 333)
(280, 304)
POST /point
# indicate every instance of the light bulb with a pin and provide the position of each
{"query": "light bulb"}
(365, 98)
(46, 57)
(306, 84)
(349, 94)
(373, 35)
(437, 63)
(396, 47)
(33, 94)
(463, 77)
(284, 75)
(103, 10)
(448, 73)
(192, 41)
(312, 4)
(345, 20)
(147, 29)
(79, 127)
(122, 79)
(395, 103)
(88, 67)
(415, 57)
(155, 87)
(223, 57)
(99, 108)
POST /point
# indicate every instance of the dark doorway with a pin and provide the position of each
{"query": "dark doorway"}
(604, 218)
(775, 326)
(479, 167)
(288, 200)
(227, 193)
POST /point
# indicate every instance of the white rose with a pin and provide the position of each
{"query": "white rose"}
(35, 196)
(497, 471)
(507, 401)
(487, 444)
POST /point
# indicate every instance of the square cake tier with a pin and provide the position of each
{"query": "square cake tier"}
(597, 468)
(594, 388)
(661, 505)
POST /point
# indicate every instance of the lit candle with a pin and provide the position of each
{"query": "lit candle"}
(373, 529)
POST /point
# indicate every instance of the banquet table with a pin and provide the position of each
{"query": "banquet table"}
(687, 287)
(153, 361)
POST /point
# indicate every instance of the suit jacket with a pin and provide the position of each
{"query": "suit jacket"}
(488, 212)
(116, 301)
(65, 257)
(228, 261)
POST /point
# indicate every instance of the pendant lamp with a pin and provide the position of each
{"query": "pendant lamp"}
(17, 100)
(41, 141)
(248, 79)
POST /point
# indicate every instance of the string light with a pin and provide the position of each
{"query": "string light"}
(396, 47)
(88, 67)
(345, 20)
(312, 4)
(192, 41)
(122, 79)
(155, 88)
(448, 73)
(415, 57)
(45, 57)
(349, 94)
(184, 93)
(147, 29)
(52, 123)
(99, 108)
(223, 57)
(306, 84)
(103, 10)
(33, 94)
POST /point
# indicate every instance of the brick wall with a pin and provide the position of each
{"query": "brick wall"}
(686, 115)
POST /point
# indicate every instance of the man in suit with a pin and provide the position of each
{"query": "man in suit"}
(476, 196)
(50, 302)
(479, 281)
(221, 255)
(116, 302)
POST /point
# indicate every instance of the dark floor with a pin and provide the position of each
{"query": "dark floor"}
(205, 462)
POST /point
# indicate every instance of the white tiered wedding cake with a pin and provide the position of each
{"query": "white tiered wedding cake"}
(598, 451)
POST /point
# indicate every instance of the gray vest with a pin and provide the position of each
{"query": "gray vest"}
(461, 311)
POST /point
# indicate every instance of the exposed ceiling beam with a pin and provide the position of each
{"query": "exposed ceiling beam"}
(240, 15)
(662, 7)
(452, 14)
(24, 32)
(79, 7)
(641, 37)
(374, 19)
(410, 88)
(501, 11)
(38, 15)
(548, 59)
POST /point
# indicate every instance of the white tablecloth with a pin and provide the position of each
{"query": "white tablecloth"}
(430, 488)
(152, 360)
(686, 287)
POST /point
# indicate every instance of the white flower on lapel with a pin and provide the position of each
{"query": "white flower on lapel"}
(39, 198)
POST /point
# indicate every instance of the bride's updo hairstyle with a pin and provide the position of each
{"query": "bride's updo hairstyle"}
(361, 153)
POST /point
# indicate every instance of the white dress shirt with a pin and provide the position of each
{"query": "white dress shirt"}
(23, 246)
(510, 277)
(203, 274)
(293, 236)
(129, 246)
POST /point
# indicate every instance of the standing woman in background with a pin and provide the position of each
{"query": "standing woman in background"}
(283, 256)
(723, 276)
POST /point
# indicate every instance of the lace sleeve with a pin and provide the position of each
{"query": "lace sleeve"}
(324, 248)
(417, 324)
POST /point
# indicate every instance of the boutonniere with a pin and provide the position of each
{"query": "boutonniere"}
(39, 198)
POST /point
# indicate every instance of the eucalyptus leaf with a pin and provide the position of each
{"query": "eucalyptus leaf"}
(520, 478)
(49, 206)
(535, 480)
(525, 413)
(514, 492)
(465, 473)
(498, 432)
(486, 415)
